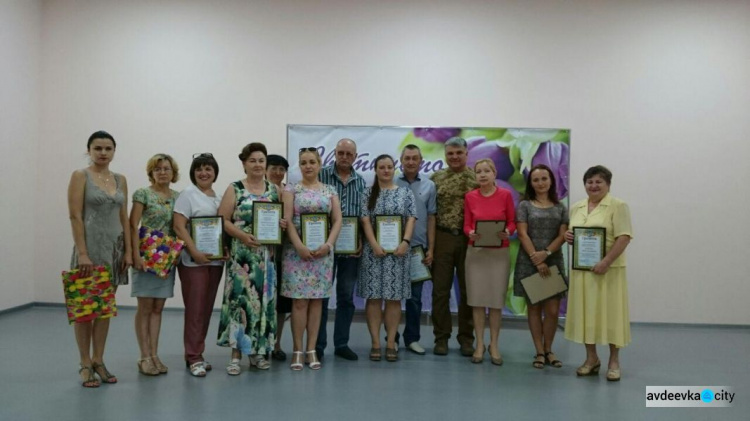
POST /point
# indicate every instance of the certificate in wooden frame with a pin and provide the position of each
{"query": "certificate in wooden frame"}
(388, 229)
(313, 243)
(586, 252)
(260, 208)
(201, 227)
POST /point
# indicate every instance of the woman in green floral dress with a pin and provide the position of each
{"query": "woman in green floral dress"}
(248, 312)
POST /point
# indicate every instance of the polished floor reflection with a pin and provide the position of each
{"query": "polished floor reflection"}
(40, 381)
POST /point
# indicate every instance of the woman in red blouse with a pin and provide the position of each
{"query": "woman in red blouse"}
(487, 268)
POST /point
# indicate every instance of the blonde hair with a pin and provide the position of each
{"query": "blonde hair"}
(155, 160)
(315, 152)
(488, 162)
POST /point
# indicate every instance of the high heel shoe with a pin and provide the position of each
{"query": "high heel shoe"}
(312, 360)
(539, 361)
(613, 374)
(495, 361)
(90, 381)
(296, 364)
(480, 358)
(551, 359)
(375, 354)
(163, 369)
(391, 354)
(589, 370)
(101, 370)
(146, 367)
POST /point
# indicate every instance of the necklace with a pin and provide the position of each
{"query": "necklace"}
(102, 178)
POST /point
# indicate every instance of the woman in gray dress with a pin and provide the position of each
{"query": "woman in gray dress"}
(153, 208)
(98, 207)
(541, 221)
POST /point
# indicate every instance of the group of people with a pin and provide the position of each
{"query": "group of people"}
(265, 282)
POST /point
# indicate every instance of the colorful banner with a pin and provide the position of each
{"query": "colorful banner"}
(514, 152)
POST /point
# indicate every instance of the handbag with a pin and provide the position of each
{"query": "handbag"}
(89, 298)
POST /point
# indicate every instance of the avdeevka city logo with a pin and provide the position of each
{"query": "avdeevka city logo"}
(689, 396)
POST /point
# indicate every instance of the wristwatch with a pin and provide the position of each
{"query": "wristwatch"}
(549, 253)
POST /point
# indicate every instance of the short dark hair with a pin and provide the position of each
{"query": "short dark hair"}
(599, 170)
(277, 160)
(411, 147)
(530, 193)
(250, 148)
(201, 160)
(101, 134)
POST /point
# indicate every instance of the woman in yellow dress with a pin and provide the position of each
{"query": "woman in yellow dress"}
(598, 299)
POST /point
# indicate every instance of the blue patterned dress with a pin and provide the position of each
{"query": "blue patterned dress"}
(386, 277)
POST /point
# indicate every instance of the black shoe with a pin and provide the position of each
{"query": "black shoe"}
(278, 355)
(346, 353)
(319, 353)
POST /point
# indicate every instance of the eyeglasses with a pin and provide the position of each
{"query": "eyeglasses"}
(310, 149)
(202, 155)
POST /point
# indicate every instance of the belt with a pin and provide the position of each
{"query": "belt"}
(451, 231)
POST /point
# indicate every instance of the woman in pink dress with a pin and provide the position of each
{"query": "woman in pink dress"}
(308, 274)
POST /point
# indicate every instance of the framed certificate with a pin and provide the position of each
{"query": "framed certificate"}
(418, 272)
(266, 217)
(588, 247)
(314, 229)
(487, 231)
(208, 235)
(388, 231)
(346, 243)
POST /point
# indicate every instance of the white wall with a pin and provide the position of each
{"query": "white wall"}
(656, 90)
(20, 34)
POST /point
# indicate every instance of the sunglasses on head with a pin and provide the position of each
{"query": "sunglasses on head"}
(310, 149)
(202, 155)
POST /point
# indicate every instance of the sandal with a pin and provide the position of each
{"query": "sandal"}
(206, 365)
(197, 369)
(550, 359)
(233, 368)
(613, 374)
(375, 354)
(159, 365)
(312, 360)
(90, 381)
(104, 374)
(589, 370)
(259, 361)
(539, 361)
(391, 354)
(149, 369)
(296, 361)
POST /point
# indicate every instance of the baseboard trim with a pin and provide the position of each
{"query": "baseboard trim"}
(16, 308)
(359, 315)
